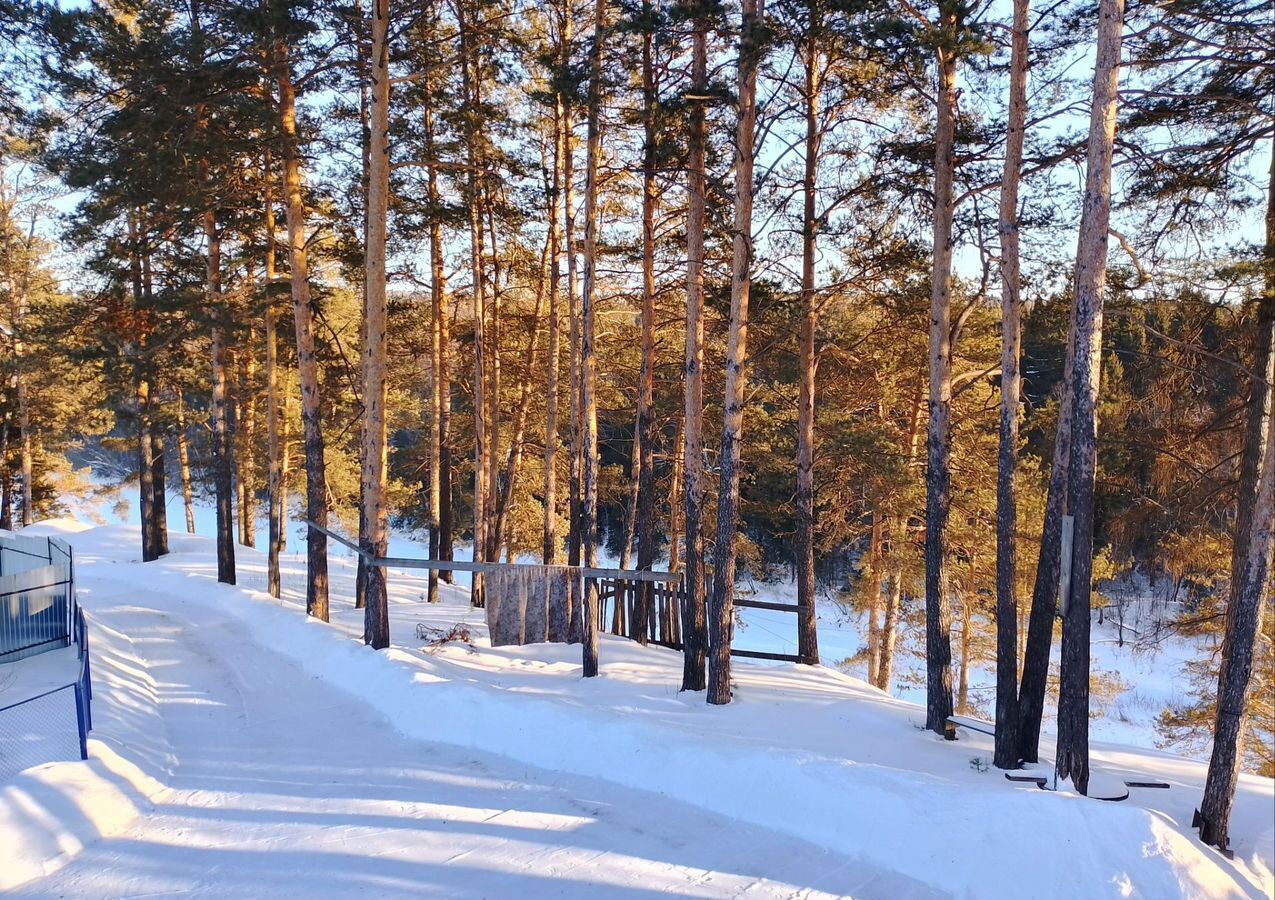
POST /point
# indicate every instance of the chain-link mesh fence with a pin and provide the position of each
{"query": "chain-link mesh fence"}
(37, 731)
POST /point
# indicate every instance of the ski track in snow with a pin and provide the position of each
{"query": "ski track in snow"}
(284, 787)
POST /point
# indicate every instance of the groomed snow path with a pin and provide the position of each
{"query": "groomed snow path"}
(284, 787)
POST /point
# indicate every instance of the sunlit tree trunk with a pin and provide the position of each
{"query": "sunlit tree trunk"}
(938, 477)
(307, 363)
(471, 76)
(550, 552)
(694, 614)
(183, 462)
(493, 392)
(1072, 761)
(675, 506)
(223, 487)
(1251, 563)
(6, 477)
(876, 565)
(159, 478)
(376, 616)
(247, 451)
(439, 386)
(277, 514)
(17, 300)
(722, 608)
(588, 339)
(1257, 420)
(142, 385)
(963, 681)
(145, 470)
(1006, 739)
(645, 436)
(575, 472)
(807, 629)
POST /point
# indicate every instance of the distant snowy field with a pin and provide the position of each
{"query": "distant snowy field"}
(810, 754)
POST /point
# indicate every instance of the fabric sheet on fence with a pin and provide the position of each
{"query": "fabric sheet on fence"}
(530, 604)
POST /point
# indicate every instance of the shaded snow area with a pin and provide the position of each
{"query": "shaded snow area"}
(242, 750)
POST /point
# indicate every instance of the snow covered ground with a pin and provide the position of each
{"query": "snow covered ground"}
(254, 752)
(1138, 679)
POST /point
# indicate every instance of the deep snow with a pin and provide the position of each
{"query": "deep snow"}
(807, 752)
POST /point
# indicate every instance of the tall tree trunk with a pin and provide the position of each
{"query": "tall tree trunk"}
(142, 384)
(807, 628)
(675, 506)
(1258, 414)
(1252, 586)
(232, 426)
(376, 618)
(1040, 622)
(275, 449)
(247, 439)
(145, 470)
(18, 282)
(6, 478)
(890, 630)
(938, 478)
(307, 363)
(876, 565)
(550, 552)
(588, 339)
(363, 56)
(645, 436)
(444, 378)
(1005, 754)
(223, 463)
(963, 681)
(183, 462)
(694, 615)
(575, 476)
(1245, 624)
(24, 410)
(722, 607)
(630, 508)
(471, 77)
(1072, 760)
(494, 343)
(155, 431)
(440, 387)
(159, 521)
(285, 459)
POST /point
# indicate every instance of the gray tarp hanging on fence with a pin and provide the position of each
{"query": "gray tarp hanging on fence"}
(528, 605)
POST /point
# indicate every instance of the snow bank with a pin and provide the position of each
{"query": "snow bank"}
(49, 813)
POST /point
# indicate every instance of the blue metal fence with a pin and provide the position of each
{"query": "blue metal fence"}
(37, 596)
(39, 612)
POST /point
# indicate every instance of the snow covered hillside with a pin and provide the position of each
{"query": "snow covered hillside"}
(241, 748)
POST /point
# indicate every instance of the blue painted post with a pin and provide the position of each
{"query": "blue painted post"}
(79, 720)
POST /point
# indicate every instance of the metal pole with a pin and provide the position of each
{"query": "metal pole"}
(1064, 572)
